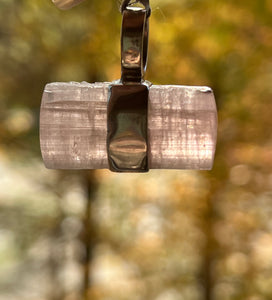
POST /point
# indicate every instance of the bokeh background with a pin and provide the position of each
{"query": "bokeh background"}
(164, 235)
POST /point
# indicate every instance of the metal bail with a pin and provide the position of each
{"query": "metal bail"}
(134, 45)
(127, 140)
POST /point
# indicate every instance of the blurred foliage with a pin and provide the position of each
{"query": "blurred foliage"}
(165, 235)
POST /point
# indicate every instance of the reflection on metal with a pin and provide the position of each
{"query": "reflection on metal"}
(127, 141)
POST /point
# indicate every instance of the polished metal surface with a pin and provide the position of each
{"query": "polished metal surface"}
(127, 143)
(134, 45)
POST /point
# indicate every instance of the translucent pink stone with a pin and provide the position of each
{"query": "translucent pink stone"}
(182, 126)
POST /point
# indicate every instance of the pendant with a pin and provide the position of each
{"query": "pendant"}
(129, 125)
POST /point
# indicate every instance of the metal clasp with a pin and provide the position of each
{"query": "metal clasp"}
(127, 137)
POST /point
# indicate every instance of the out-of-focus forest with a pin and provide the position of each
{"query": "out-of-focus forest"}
(164, 235)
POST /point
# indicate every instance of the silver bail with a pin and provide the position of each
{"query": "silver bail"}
(134, 45)
(127, 136)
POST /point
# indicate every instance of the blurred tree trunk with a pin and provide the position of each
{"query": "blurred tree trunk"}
(89, 237)
(208, 255)
(206, 272)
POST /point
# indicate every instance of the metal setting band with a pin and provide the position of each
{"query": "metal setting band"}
(127, 140)
(134, 45)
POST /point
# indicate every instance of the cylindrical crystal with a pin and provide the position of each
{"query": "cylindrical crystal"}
(182, 126)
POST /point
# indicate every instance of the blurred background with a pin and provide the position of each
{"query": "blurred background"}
(164, 235)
